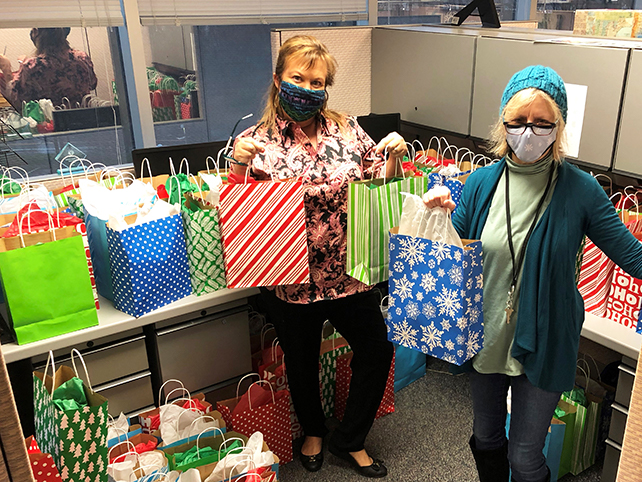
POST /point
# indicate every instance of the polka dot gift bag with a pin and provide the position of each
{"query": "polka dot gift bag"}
(148, 260)
(43, 466)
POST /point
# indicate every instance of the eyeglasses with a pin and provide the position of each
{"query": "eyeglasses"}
(537, 129)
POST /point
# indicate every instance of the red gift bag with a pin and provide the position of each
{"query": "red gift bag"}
(596, 274)
(263, 232)
(625, 298)
(275, 374)
(344, 375)
(32, 445)
(42, 465)
(272, 419)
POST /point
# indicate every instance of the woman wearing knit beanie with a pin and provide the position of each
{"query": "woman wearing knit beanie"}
(531, 211)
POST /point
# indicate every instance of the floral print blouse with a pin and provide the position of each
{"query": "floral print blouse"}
(340, 157)
(69, 75)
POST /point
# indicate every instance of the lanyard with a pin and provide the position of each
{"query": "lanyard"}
(517, 266)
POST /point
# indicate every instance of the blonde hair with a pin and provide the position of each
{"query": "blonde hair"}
(497, 143)
(309, 50)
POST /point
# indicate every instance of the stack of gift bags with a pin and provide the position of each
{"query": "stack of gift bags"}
(184, 438)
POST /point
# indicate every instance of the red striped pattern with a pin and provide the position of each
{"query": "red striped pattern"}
(596, 275)
(263, 232)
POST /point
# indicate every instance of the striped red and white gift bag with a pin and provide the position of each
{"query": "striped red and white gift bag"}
(596, 274)
(263, 232)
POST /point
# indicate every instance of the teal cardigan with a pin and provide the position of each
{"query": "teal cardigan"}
(551, 310)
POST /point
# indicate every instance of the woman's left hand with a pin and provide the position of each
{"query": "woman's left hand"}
(395, 145)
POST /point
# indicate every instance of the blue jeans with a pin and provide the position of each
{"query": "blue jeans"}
(531, 412)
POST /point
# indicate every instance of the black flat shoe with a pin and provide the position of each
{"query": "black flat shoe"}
(312, 463)
(375, 470)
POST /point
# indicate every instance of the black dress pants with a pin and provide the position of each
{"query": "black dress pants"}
(359, 320)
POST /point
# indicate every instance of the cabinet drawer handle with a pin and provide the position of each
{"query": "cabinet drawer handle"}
(124, 381)
(613, 444)
(626, 369)
(620, 408)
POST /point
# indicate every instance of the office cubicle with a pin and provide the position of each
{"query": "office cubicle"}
(628, 153)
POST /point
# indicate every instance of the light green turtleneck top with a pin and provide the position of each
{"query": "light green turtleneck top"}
(527, 185)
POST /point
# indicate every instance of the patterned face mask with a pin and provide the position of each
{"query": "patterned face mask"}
(299, 103)
(529, 147)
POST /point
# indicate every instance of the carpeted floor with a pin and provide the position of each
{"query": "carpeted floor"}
(426, 440)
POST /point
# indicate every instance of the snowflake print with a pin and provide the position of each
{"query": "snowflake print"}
(473, 262)
(472, 344)
(464, 264)
(460, 339)
(450, 345)
(441, 273)
(460, 353)
(398, 266)
(404, 334)
(448, 302)
(528, 147)
(391, 302)
(403, 288)
(479, 281)
(462, 323)
(456, 275)
(445, 324)
(457, 255)
(431, 336)
(431, 263)
(473, 313)
(477, 297)
(412, 250)
(428, 282)
(450, 358)
(398, 311)
(420, 296)
(469, 284)
(440, 251)
(429, 310)
(462, 293)
(414, 275)
(412, 310)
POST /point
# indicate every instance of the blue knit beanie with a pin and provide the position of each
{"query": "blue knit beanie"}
(538, 77)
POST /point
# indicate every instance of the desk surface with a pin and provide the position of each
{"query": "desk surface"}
(612, 335)
(111, 322)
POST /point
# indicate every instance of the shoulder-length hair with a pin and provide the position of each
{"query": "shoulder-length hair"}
(309, 50)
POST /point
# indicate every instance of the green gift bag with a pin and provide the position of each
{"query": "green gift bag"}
(585, 431)
(46, 284)
(331, 349)
(568, 417)
(75, 435)
(374, 206)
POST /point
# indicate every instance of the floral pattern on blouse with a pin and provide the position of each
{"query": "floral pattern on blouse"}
(69, 75)
(340, 157)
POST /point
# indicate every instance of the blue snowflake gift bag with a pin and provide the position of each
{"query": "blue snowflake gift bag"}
(149, 265)
(435, 293)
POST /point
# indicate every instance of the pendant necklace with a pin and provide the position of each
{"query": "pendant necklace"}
(520, 261)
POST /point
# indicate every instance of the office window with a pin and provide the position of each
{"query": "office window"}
(397, 12)
(560, 14)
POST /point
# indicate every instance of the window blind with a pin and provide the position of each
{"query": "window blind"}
(60, 13)
(213, 12)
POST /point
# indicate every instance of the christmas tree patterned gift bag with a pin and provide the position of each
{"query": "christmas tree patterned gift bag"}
(75, 437)
(435, 303)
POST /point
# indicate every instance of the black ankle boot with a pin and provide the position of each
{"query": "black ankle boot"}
(492, 465)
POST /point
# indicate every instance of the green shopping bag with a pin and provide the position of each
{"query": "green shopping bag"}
(585, 430)
(76, 435)
(374, 207)
(567, 415)
(204, 250)
(331, 349)
(46, 284)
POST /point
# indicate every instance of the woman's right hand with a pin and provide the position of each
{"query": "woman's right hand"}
(245, 150)
(439, 197)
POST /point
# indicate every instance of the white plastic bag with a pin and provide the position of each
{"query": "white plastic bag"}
(434, 224)
(251, 457)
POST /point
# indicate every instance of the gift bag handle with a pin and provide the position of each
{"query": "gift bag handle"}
(238, 385)
(207, 165)
(604, 176)
(73, 362)
(224, 443)
(178, 185)
(198, 439)
(178, 419)
(24, 175)
(143, 163)
(382, 300)
(461, 160)
(52, 231)
(160, 391)
(195, 181)
(80, 161)
(184, 162)
(96, 168)
(126, 442)
(411, 148)
(244, 474)
(422, 148)
(180, 389)
(50, 357)
(202, 417)
(249, 399)
(62, 166)
(267, 327)
(438, 150)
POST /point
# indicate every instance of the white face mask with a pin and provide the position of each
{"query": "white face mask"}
(528, 147)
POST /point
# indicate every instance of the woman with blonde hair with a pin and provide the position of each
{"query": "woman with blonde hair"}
(300, 137)
(531, 211)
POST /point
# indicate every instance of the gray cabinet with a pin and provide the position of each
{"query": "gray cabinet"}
(627, 155)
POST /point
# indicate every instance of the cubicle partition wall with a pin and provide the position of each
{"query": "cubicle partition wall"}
(627, 155)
